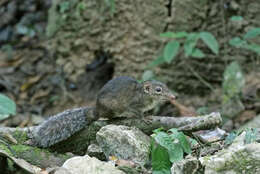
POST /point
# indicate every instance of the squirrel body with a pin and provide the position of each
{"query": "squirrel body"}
(120, 97)
(126, 97)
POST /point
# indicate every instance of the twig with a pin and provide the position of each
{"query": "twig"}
(200, 78)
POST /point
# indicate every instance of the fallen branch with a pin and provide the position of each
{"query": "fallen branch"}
(79, 142)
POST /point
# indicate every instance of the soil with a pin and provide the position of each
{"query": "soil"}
(57, 54)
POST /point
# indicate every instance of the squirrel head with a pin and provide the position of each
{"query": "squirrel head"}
(157, 90)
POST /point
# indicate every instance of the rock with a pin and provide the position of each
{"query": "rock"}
(255, 123)
(228, 126)
(124, 142)
(129, 170)
(88, 165)
(185, 166)
(5, 34)
(213, 148)
(61, 170)
(96, 151)
(232, 108)
(238, 158)
(209, 136)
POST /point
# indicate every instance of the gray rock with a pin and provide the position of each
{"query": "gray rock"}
(61, 170)
(95, 151)
(6, 34)
(238, 158)
(88, 165)
(209, 136)
(124, 143)
(213, 148)
(185, 166)
(255, 123)
(232, 108)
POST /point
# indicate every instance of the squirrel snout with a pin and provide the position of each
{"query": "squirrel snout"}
(173, 97)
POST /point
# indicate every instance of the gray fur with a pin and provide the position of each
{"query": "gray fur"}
(122, 96)
(125, 97)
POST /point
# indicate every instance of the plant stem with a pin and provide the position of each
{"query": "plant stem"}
(200, 78)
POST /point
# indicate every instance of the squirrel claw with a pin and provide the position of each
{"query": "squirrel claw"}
(147, 120)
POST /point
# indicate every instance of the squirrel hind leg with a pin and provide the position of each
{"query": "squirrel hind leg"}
(132, 113)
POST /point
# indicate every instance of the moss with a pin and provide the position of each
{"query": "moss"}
(18, 149)
(5, 148)
(239, 162)
(11, 165)
(59, 18)
(20, 136)
(35, 155)
(129, 170)
(65, 156)
(54, 21)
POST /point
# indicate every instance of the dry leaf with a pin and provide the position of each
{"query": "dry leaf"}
(39, 94)
(184, 111)
(30, 82)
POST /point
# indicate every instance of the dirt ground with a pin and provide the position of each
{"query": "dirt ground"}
(57, 54)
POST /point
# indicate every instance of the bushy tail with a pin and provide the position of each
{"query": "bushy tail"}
(61, 126)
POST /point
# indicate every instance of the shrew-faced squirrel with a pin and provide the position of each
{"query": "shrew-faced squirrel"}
(120, 97)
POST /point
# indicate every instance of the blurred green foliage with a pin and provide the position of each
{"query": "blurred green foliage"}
(250, 137)
(233, 81)
(189, 42)
(7, 107)
(111, 5)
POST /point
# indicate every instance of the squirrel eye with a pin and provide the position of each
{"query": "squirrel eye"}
(158, 89)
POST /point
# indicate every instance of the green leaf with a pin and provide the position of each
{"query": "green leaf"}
(234, 80)
(236, 18)
(112, 5)
(160, 60)
(254, 32)
(7, 107)
(174, 149)
(21, 29)
(162, 171)
(202, 110)
(253, 47)
(164, 140)
(173, 130)
(251, 135)
(8, 49)
(174, 35)
(64, 6)
(193, 142)
(81, 6)
(237, 42)
(197, 53)
(184, 143)
(158, 130)
(176, 154)
(171, 50)
(210, 41)
(190, 43)
(160, 159)
(230, 138)
(147, 75)
(182, 140)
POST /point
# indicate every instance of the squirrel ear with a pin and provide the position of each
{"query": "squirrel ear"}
(147, 88)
